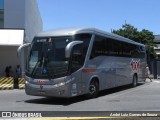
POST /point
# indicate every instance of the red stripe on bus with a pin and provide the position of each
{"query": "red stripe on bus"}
(89, 70)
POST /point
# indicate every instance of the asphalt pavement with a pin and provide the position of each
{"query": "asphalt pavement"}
(144, 97)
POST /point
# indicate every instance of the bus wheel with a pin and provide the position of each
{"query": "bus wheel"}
(93, 89)
(134, 82)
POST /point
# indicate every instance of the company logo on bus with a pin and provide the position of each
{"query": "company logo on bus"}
(41, 82)
(135, 64)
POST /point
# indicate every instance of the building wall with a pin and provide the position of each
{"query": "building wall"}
(33, 25)
(157, 49)
(33, 21)
(14, 14)
(23, 14)
(19, 14)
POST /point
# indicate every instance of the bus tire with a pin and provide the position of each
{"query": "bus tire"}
(93, 89)
(134, 81)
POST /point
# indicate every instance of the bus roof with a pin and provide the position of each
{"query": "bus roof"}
(73, 31)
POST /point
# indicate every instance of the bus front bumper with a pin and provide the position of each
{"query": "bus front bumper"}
(61, 90)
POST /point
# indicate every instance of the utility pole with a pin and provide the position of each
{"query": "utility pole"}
(125, 22)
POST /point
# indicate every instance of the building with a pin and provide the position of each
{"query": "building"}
(20, 20)
(157, 49)
(156, 70)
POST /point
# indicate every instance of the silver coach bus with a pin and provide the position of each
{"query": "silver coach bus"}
(77, 61)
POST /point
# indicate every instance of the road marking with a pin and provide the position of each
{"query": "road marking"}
(75, 118)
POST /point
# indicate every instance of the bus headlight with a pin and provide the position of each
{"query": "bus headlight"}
(59, 84)
(26, 82)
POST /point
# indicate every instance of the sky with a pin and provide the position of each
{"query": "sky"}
(102, 14)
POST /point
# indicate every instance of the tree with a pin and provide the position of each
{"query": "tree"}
(127, 31)
(145, 36)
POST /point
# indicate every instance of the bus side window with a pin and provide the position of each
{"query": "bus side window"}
(99, 47)
(76, 58)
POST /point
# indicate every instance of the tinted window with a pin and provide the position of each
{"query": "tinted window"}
(79, 51)
(47, 58)
(1, 18)
(1, 13)
(104, 46)
(99, 47)
(86, 38)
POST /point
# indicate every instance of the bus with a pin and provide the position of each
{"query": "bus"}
(81, 61)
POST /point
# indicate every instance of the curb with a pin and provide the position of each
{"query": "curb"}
(8, 83)
(21, 83)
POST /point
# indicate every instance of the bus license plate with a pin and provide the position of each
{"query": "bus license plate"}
(42, 92)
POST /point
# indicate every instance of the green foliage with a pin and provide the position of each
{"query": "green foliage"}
(145, 36)
(127, 31)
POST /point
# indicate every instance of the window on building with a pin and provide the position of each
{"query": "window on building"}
(1, 18)
(1, 4)
(1, 13)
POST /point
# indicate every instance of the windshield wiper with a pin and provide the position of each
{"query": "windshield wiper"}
(35, 68)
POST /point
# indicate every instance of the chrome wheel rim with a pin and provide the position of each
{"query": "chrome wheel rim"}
(92, 89)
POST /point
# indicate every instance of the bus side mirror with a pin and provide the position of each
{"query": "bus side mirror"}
(22, 53)
(21, 48)
(69, 47)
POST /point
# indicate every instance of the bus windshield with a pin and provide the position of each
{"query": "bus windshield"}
(47, 58)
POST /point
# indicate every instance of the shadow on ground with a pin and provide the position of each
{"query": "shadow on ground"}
(68, 101)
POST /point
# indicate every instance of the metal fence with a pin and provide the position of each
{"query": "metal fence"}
(155, 68)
